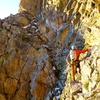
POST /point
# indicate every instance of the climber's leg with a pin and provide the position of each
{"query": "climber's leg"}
(73, 70)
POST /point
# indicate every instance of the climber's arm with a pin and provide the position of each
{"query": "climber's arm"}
(78, 52)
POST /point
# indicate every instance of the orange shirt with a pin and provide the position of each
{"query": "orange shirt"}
(78, 52)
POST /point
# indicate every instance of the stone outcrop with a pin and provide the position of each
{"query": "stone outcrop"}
(26, 70)
(31, 6)
(87, 81)
(34, 45)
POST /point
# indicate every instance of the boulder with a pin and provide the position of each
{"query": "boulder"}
(10, 86)
(31, 6)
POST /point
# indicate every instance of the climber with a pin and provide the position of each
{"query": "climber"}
(74, 57)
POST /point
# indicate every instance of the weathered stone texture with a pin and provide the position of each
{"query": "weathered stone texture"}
(32, 6)
(35, 42)
(23, 61)
(88, 27)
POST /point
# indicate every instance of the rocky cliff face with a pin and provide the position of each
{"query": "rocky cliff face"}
(34, 45)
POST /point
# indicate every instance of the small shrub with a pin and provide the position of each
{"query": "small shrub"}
(86, 85)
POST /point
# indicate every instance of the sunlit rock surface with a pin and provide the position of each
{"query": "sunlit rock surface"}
(34, 45)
